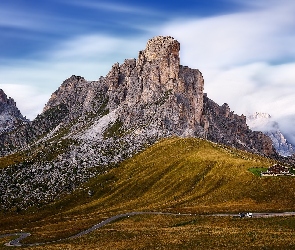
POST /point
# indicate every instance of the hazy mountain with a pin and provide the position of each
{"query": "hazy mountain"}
(264, 122)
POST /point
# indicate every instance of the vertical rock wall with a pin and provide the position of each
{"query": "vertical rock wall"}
(155, 88)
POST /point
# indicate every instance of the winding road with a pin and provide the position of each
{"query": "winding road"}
(16, 242)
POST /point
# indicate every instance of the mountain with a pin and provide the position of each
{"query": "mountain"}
(263, 122)
(87, 127)
(10, 116)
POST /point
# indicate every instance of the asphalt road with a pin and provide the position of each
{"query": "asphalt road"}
(22, 235)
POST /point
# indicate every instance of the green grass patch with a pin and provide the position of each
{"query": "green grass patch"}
(114, 130)
(257, 171)
(12, 159)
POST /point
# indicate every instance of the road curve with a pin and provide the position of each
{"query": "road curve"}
(15, 242)
(22, 235)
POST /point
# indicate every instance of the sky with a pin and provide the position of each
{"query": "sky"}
(244, 48)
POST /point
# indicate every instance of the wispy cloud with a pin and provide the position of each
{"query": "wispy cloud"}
(112, 7)
(49, 23)
(17, 19)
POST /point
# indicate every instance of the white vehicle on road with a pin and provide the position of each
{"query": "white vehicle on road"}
(248, 215)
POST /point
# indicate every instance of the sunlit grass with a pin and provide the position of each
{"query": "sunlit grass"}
(174, 175)
(12, 159)
(188, 232)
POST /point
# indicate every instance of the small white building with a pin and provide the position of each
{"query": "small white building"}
(277, 170)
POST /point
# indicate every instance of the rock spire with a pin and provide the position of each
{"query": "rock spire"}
(10, 116)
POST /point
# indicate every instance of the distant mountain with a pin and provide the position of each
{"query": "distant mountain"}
(263, 122)
(10, 116)
(87, 127)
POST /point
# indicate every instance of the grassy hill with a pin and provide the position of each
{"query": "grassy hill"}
(174, 175)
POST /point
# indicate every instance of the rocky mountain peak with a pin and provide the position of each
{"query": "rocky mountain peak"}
(157, 83)
(162, 54)
(67, 93)
(258, 115)
(259, 121)
(4, 100)
(87, 126)
(161, 47)
(10, 116)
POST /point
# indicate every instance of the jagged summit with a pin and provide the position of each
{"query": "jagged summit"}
(155, 78)
(258, 119)
(10, 116)
(88, 126)
(161, 47)
(163, 52)
(5, 100)
(64, 93)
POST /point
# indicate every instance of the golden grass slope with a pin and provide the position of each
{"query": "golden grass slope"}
(190, 175)
(191, 232)
(174, 175)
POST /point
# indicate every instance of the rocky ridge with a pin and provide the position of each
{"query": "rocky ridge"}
(225, 127)
(10, 116)
(88, 126)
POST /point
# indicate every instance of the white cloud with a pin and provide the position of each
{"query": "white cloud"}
(255, 87)
(287, 125)
(235, 39)
(112, 7)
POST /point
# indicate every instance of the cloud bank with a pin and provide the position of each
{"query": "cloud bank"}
(247, 59)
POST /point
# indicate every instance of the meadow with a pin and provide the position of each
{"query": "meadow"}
(190, 176)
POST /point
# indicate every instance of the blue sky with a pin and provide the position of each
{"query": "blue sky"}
(244, 48)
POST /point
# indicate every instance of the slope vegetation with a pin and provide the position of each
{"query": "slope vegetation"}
(174, 175)
(189, 175)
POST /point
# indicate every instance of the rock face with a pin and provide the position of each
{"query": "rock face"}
(225, 127)
(157, 89)
(88, 126)
(10, 116)
(263, 122)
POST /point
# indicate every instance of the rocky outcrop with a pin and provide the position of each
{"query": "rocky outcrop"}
(10, 116)
(223, 126)
(79, 96)
(156, 89)
(89, 126)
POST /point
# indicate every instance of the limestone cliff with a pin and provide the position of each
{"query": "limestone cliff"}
(88, 126)
(156, 89)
